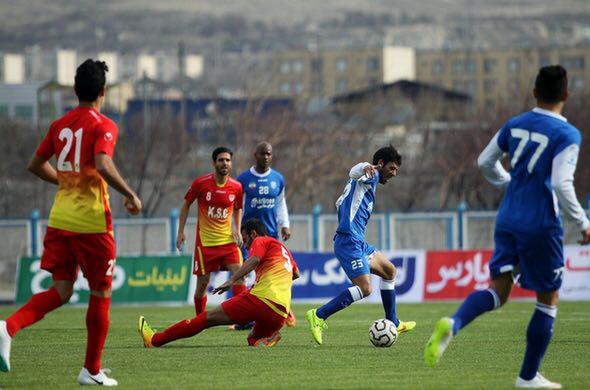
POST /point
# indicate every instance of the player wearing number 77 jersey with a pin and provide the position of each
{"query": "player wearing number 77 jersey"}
(543, 150)
(79, 232)
(267, 303)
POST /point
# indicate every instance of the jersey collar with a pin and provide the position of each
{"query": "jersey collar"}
(265, 174)
(542, 111)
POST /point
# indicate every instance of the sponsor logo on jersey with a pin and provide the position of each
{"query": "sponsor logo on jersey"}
(232, 197)
(108, 136)
(273, 184)
(252, 185)
(262, 203)
(217, 212)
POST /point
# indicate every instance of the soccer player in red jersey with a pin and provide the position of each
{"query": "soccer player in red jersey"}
(217, 245)
(79, 232)
(267, 303)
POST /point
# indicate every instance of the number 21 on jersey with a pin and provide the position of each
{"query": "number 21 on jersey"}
(68, 136)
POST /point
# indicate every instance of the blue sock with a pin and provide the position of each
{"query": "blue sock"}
(477, 303)
(388, 300)
(538, 336)
(341, 301)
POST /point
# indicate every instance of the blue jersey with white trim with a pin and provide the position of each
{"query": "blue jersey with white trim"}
(355, 206)
(261, 197)
(532, 140)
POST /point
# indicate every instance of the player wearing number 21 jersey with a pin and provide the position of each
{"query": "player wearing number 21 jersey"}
(267, 303)
(79, 232)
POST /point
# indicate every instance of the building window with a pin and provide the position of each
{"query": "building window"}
(341, 64)
(544, 61)
(577, 83)
(316, 65)
(438, 67)
(458, 67)
(488, 65)
(489, 85)
(285, 67)
(471, 87)
(373, 81)
(514, 65)
(297, 66)
(571, 63)
(341, 86)
(23, 111)
(285, 88)
(470, 66)
(317, 87)
(298, 87)
(373, 64)
(514, 85)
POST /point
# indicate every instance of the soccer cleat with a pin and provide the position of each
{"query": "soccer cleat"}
(249, 325)
(145, 331)
(316, 325)
(291, 321)
(5, 341)
(405, 326)
(85, 378)
(438, 342)
(268, 341)
(538, 382)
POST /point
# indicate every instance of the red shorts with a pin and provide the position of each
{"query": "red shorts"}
(245, 308)
(94, 253)
(209, 259)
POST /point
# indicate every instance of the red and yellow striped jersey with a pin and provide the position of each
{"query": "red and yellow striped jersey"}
(216, 205)
(81, 204)
(274, 273)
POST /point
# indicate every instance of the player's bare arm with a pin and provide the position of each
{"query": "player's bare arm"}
(180, 237)
(370, 169)
(42, 169)
(585, 237)
(285, 233)
(244, 270)
(237, 233)
(106, 168)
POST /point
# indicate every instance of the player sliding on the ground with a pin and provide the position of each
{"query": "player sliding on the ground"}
(358, 258)
(267, 303)
(543, 151)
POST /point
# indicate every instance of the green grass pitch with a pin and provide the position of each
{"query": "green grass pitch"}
(485, 355)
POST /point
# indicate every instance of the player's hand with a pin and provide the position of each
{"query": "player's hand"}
(238, 238)
(285, 233)
(370, 170)
(223, 288)
(585, 237)
(180, 240)
(133, 205)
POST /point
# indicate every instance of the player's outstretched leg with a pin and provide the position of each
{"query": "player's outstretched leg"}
(5, 342)
(316, 325)
(388, 299)
(85, 378)
(438, 342)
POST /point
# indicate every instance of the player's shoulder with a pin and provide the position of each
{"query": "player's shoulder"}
(277, 174)
(201, 180)
(244, 176)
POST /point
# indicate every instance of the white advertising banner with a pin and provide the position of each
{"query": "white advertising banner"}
(576, 276)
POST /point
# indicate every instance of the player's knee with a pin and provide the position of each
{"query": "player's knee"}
(391, 272)
(366, 289)
(65, 294)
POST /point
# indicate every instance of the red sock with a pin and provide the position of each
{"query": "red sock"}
(181, 330)
(97, 324)
(237, 289)
(34, 310)
(200, 304)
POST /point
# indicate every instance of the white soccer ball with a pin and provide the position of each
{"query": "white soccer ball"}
(383, 333)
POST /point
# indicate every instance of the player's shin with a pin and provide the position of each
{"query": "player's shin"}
(200, 304)
(181, 330)
(477, 303)
(34, 310)
(538, 336)
(341, 301)
(97, 325)
(388, 299)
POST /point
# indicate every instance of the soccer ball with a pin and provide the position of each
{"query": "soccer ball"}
(383, 333)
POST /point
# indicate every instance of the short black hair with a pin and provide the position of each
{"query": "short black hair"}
(387, 154)
(90, 79)
(551, 84)
(221, 149)
(255, 225)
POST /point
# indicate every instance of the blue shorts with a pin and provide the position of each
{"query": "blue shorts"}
(535, 258)
(353, 254)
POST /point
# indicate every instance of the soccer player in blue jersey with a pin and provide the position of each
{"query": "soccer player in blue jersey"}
(357, 258)
(543, 150)
(264, 199)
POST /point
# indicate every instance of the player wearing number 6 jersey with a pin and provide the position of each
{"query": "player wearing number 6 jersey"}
(79, 232)
(543, 150)
(267, 303)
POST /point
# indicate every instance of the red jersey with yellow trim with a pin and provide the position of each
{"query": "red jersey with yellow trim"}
(274, 273)
(216, 204)
(81, 204)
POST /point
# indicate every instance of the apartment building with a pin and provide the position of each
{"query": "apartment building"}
(493, 77)
(306, 74)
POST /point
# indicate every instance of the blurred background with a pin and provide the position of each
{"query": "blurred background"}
(326, 82)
